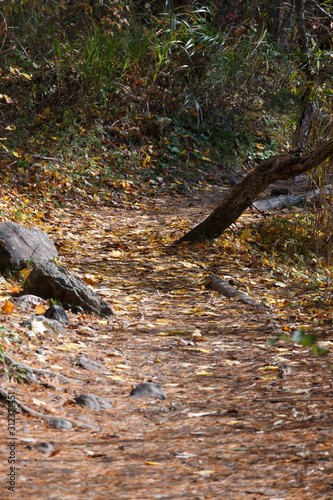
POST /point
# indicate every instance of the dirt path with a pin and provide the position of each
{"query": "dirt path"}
(243, 420)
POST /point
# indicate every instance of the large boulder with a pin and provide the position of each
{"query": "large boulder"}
(20, 245)
(51, 281)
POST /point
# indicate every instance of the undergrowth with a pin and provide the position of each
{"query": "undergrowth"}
(107, 102)
(303, 237)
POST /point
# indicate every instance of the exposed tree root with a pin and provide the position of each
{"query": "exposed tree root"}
(37, 371)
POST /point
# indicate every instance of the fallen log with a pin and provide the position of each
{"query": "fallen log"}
(288, 200)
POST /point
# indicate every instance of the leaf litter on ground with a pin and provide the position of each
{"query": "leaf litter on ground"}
(171, 331)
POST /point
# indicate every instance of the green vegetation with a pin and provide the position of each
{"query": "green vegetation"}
(107, 102)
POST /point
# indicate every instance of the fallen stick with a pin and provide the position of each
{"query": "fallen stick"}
(224, 288)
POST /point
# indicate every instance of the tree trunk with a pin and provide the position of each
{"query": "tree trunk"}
(303, 128)
(278, 167)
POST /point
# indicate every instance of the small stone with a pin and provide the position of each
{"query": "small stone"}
(88, 364)
(44, 447)
(93, 402)
(148, 390)
(27, 301)
(58, 313)
(60, 423)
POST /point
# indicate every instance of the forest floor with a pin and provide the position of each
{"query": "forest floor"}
(243, 419)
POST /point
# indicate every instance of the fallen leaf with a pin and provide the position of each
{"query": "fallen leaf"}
(8, 307)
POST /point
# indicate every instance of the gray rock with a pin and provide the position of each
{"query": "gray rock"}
(88, 364)
(93, 402)
(27, 301)
(19, 245)
(44, 447)
(52, 281)
(148, 390)
(60, 423)
(58, 313)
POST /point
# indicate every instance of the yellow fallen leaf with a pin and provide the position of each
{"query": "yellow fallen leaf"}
(193, 310)
(25, 273)
(204, 472)
(197, 336)
(116, 254)
(38, 402)
(234, 422)
(231, 362)
(163, 321)
(40, 309)
(90, 279)
(178, 292)
(246, 235)
(198, 349)
(273, 367)
(189, 265)
(68, 347)
(280, 284)
(167, 334)
(130, 298)
(8, 307)
(153, 463)
(56, 367)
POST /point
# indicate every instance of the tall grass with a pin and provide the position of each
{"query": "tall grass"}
(95, 59)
